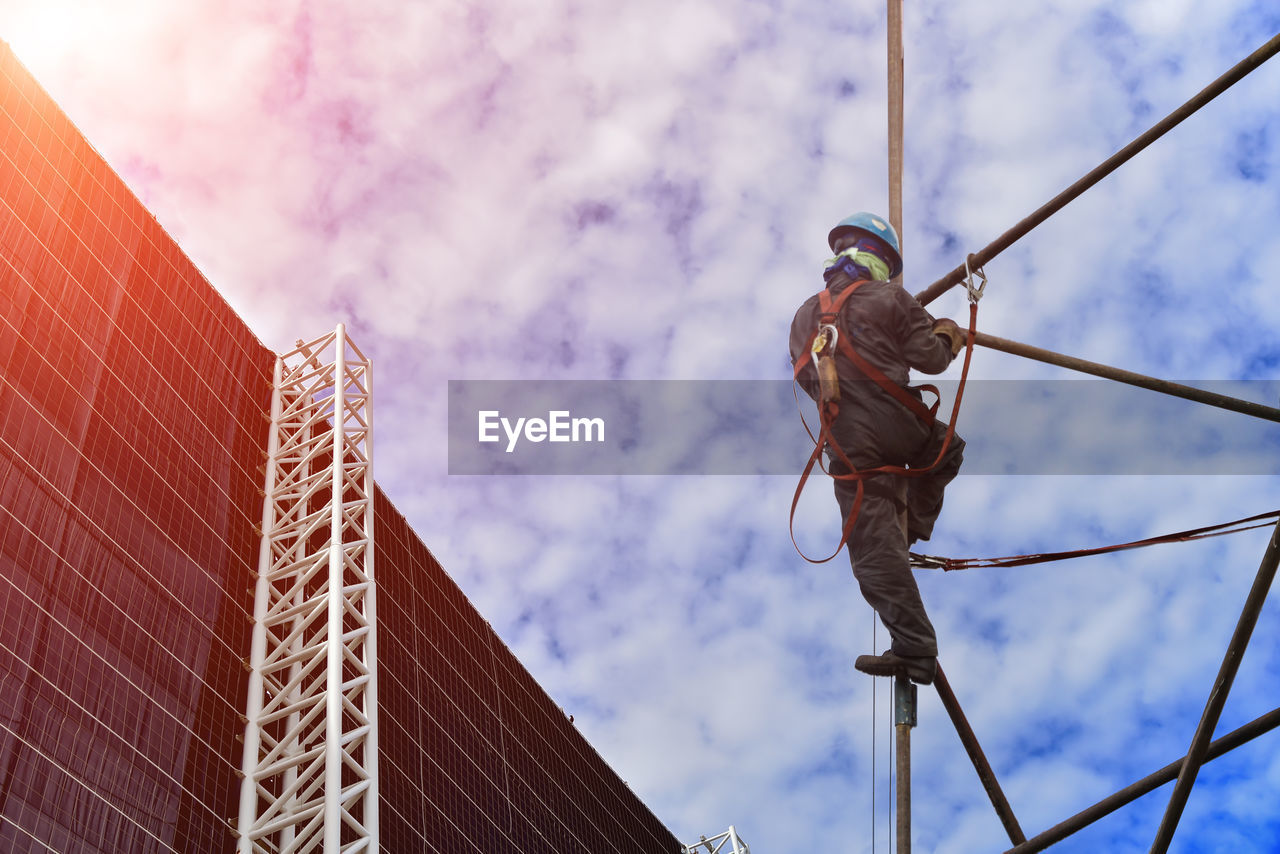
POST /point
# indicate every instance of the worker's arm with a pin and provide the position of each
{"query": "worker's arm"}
(925, 347)
(802, 328)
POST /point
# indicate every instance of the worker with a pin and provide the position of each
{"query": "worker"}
(894, 333)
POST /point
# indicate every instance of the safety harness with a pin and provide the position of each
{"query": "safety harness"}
(829, 338)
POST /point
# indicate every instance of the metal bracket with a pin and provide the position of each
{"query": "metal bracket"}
(904, 701)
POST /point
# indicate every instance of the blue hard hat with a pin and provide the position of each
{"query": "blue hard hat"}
(874, 226)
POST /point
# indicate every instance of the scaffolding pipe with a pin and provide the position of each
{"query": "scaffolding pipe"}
(978, 758)
(258, 642)
(904, 718)
(334, 651)
(1084, 818)
(1004, 241)
(1222, 401)
(369, 807)
(896, 142)
(904, 692)
(902, 755)
(1218, 696)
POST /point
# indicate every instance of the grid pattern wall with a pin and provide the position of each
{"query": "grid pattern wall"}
(475, 757)
(131, 429)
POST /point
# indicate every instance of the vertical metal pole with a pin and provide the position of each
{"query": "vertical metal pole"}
(875, 711)
(371, 797)
(294, 749)
(258, 644)
(895, 115)
(1218, 696)
(904, 718)
(904, 693)
(334, 647)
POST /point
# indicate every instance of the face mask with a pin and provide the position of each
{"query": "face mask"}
(857, 262)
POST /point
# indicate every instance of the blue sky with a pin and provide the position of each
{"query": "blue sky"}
(553, 190)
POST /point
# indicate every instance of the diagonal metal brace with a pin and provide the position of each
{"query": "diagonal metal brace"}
(1237, 737)
(1218, 695)
(978, 758)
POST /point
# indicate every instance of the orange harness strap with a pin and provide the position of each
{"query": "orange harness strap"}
(829, 308)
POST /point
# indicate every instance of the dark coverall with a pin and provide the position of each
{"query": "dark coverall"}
(894, 333)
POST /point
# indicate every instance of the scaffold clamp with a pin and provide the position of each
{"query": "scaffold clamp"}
(904, 701)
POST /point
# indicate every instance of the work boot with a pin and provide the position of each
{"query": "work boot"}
(917, 668)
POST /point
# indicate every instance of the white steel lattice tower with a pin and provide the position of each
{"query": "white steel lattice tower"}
(728, 842)
(311, 748)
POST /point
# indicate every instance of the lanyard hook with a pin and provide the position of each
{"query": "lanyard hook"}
(975, 294)
(824, 361)
(825, 341)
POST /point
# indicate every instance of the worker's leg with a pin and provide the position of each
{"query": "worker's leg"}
(924, 494)
(878, 554)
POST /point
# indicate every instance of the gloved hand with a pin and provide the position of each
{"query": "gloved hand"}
(945, 327)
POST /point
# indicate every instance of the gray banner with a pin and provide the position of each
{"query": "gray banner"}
(721, 427)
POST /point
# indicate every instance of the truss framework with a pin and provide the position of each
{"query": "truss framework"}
(716, 844)
(1203, 748)
(310, 745)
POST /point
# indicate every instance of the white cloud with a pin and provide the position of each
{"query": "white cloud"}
(551, 190)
